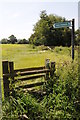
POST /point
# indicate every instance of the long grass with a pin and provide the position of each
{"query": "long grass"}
(27, 56)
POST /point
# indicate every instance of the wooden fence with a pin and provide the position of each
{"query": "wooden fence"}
(11, 76)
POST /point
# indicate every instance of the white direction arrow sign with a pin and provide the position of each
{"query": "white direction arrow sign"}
(62, 24)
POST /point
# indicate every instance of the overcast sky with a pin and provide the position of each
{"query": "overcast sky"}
(18, 17)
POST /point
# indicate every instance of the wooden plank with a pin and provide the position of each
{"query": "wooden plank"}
(29, 69)
(29, 78)
(11, 69)
(47, 66)
(5, 78)
(31, 85)
(27, 73)
(34, 72)
(10, 75)
(52, 69)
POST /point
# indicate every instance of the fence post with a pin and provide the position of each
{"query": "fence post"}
(52, 69)
(11, 71)
(5, 78)
(47, 66)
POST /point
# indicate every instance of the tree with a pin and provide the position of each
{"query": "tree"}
(46, 34)
(12, 39)
(77, 39)
(4, 41)
(42, 30)
(23, 41)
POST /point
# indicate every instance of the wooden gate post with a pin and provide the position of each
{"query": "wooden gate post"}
(11, 71)
(52, 69)
(47, 66)
(5, 78)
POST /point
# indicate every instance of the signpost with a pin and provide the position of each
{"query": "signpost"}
(67, 24)
(62, 24)
(73, 37)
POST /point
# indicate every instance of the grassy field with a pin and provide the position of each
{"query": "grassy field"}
(27, 56)
(62, 91)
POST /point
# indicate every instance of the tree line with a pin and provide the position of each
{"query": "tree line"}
(45, 34)
(13, 40)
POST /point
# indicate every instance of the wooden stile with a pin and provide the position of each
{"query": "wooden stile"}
(25, 74)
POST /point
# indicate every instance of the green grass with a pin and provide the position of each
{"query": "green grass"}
(26, 56)
(59, 103)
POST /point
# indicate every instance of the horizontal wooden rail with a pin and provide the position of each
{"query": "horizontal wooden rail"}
(33, 72)
(29, 78)
(26, 73)
(29, 69)
(30, 85)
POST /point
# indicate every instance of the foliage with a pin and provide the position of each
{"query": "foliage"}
(4, 41)
(12, 39)
(62, 101)
(16, 108)
(23, 41)
(77, 40)
(45, 34)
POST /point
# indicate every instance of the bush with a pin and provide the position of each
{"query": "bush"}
(4, 41)
(62, 100)
(23, 41)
